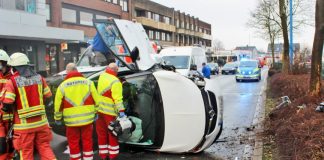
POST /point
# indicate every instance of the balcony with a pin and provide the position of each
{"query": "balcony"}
(154, 24)
(207, 36)
(185, 31)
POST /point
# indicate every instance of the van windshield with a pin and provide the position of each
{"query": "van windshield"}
(179, 62)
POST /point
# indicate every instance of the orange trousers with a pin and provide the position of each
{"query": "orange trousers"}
(25, 143)
(3, 132)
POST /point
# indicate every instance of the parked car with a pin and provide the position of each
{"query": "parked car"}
(156, 98)
(229, 68)
(214, 68)
(248, 70)
(184, 59)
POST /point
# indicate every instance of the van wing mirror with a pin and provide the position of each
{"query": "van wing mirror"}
(193, 67)
(134, 54)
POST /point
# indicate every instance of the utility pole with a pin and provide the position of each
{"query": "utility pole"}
(291, 45)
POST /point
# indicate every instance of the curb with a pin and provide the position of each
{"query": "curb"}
(258, 119)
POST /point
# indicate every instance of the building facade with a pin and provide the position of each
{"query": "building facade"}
(55, 32)
(23, 28)
(79, 15)
(170, 27)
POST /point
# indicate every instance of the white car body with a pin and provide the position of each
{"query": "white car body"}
(191, 119)
(197, 56)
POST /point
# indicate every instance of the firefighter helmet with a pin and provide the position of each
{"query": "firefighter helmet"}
(18, 59)
(3, 55)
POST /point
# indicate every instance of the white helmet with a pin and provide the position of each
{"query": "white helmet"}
(18, 59)
(3, 55)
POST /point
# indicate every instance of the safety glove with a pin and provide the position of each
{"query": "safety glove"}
(122, 114)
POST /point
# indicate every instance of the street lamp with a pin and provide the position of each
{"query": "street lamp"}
(291, 45)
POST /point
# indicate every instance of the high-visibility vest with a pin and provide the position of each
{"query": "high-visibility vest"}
(111, 94)
(3, 80)
(74, 100)
(29, 101)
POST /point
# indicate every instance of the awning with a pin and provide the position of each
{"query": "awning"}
(44, 33)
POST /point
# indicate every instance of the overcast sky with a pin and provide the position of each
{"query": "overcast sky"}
(228, 19)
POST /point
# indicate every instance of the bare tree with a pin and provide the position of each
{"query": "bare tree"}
(218, 45)
(315, 81)
(262, 19)
(270, 17)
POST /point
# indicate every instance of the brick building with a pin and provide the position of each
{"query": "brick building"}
(54, 32)
(170, 27)
(78, 15)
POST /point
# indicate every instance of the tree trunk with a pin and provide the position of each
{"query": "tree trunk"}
(283, 18)
(272, 51)
(315, 81)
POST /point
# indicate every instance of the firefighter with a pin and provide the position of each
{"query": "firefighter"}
(110, 105)
(26, 90)
(75, 102)
(5, 118)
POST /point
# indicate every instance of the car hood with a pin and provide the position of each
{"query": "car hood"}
(247, 69)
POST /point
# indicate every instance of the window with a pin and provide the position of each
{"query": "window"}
(108, 0)
(163, 36)
(168, 36)
(192, 27)
(69, 15)
(182, 24)
(156, 17)
(187, 26)
(86, 18)
(48, 12)
(20, 5)
(124, 5)
(101, 17)
(115, 1)
(149, 15)
(151, 34)
(177, 23)
(157, 35)
(167, 20)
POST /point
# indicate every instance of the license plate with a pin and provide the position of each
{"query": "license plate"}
(226, 71)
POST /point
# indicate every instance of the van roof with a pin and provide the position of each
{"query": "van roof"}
(183, 50)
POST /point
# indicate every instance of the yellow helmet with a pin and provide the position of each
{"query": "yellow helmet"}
(18, 59)
(3, 55)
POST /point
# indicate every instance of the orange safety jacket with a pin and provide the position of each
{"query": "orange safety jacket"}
(27, 93)
(4, 117)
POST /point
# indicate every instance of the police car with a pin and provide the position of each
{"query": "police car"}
(170, 113)
(248, 70)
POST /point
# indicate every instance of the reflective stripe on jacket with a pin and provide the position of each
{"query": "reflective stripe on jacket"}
(28, 94)
(75, 101)
(111, 94)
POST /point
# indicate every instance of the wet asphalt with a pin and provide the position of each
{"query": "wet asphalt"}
(240, 101)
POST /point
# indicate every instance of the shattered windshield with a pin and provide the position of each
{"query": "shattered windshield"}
(114, 41)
